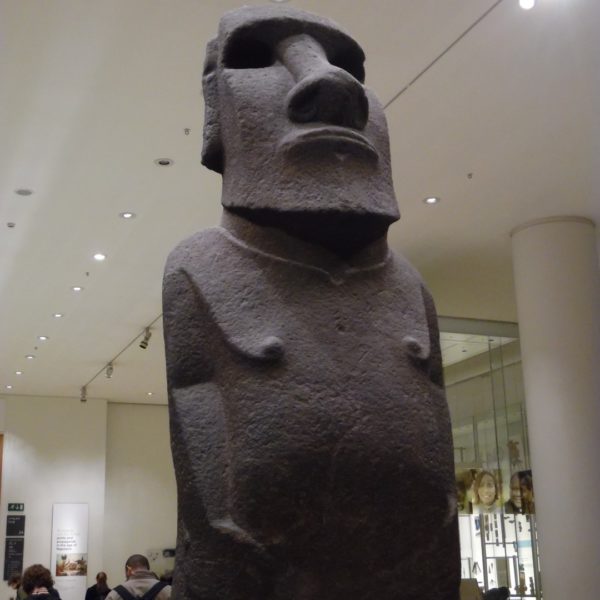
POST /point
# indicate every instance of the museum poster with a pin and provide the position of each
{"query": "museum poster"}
(69, 549)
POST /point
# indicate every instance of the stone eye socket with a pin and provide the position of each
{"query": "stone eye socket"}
(349, 61)
(249, 53)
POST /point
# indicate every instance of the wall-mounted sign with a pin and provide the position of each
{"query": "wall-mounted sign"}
(15, 525)
(69, 549)
(16, 507)
(13, 557)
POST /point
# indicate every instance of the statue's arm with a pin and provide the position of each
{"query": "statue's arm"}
(436, 373)
(197, 422)
(187, 330)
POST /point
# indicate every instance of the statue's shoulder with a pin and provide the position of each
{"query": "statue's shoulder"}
(404, 271)
(197, 252)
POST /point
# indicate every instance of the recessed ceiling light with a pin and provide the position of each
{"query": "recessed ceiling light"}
(9, 387)
(77, 288)
(127, 215)
(164, 162)
(58, 315)
(29, 356)
(42, 338)
(11, 225)
(149, 394)
(23, 192)
(18, 372)
(99, 256)
(431, 200)
(526, 4)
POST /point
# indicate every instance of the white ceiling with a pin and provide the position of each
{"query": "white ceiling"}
(93, 92)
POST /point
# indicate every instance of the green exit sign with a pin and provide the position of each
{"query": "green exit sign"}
(16, 507)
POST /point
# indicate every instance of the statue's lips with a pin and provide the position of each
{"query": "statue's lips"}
(337, 138)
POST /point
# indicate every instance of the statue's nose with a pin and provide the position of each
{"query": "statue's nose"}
(323, 92)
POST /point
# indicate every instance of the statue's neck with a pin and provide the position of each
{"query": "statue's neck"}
(272, 238)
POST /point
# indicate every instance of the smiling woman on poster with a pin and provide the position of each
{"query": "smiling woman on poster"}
(485, 493)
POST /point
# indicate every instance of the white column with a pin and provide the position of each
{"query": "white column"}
(558, 301)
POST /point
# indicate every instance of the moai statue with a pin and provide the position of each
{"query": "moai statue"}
(309, 427)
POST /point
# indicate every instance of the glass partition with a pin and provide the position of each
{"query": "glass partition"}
(484, 386)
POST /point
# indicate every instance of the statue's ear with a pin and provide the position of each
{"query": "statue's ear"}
(212, 149)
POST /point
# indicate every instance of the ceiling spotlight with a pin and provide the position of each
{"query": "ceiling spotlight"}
(146, 340)
(77, 288)
(18, 372)
(43, 338)
(9, 387)
(83, 394)
(149, 394)
(23, 192)
(431, 200)
(109, 370)
(164, 162)
(58, 315)
(526, 4)
(29, 356)
(99, 256)
(127, 215)
(11, 225)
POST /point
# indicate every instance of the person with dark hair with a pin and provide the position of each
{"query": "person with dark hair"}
(501, 593)
(140, 582)
(100, 589)
(14, 582)
(464, 485)
(38, 583)
(514, 504)
(526, 483)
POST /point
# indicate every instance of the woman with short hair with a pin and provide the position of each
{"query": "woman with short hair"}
(38, 583)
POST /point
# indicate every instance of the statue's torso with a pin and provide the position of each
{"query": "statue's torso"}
(332, 422)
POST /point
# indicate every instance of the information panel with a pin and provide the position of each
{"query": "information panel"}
(13, 557)
(15, 525)
(69, 549)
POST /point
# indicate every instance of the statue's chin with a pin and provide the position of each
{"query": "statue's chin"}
(341, 232)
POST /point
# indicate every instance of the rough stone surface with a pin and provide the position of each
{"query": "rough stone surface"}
(309, 427)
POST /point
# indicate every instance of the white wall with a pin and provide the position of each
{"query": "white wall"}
(54, 451)
(141, 499)
(115, 457)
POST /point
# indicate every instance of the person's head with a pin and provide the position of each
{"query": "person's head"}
(101, 582)
(36, 576)
(14, 581)
(464, 482)
(290, 125)
(515, 490)
(486, 490)
(526, 484)
(136, 562)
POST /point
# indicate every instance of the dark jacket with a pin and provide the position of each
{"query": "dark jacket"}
(94, 593)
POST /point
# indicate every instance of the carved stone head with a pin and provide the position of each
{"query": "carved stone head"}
(298, 138)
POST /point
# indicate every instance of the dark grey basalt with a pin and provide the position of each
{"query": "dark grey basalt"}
(309, 427)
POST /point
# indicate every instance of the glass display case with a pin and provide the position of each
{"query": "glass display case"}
(500, 549)
(484, 386)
